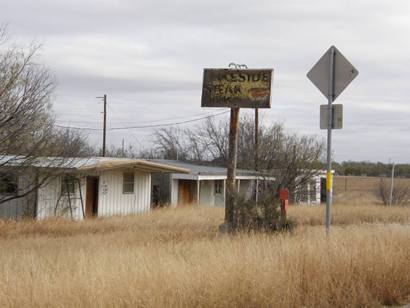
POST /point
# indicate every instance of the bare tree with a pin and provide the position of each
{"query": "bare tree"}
(207, 142)
(27, 130)
(170, 144)
(128, 151)
(292, 159)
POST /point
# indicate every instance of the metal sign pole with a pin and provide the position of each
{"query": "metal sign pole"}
(329, 180)
(391, 186)
(331, 75)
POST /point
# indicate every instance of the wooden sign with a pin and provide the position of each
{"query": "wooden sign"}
(236, 88)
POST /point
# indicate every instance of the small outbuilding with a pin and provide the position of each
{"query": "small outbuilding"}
(83, 187)
(313, 191)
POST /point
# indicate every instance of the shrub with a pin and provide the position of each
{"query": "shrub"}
(264, 215)
(400, 196)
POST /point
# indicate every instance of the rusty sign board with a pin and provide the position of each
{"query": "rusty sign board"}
(236, 88)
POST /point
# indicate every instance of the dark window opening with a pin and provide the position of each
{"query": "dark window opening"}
(128, 183)
(218, 187)
(67, 185)
(8, 184)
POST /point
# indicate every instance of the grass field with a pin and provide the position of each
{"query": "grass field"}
(364, 184)
(177, 258)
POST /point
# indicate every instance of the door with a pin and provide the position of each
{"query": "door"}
(91, 202)
(219, 193)
(185, 195)
(322, 190)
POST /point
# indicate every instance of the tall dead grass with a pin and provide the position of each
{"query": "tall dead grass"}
(176, 258)
(351, 214)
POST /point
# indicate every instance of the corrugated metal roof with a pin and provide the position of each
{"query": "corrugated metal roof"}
(197, 169)
(91, 163)
(109, 163)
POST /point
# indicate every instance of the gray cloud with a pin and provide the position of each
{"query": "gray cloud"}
(148, 57)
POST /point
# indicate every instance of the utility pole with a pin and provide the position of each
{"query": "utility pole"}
(104, 123)
(256, 138)
(391, 186)
(256, 149)
(122, 148)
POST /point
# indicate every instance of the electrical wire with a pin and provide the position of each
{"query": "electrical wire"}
(144, 126)
(130, 122)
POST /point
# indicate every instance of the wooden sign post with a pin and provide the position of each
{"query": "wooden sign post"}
(231, 166)
(235, 88)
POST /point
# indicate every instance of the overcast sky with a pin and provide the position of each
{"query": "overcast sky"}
(148, 57)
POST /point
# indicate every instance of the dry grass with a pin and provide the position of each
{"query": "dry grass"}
(351, 214)
(366, 184)
(177, 258)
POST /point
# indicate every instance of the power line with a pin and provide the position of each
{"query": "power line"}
(145, 126)
(129, 122)
(168, 124)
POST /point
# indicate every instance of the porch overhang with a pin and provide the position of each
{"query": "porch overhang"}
(132, 164)
(208, 177)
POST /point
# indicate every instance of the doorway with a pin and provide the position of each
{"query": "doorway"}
(185, 192)
(91, 202)
(322, 190)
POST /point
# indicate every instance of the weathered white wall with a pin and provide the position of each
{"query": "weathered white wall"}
(174, 192)
(317, 188)
(112, 201)
(21, 207)
(206, 194)
(245, 188)
(220, 198)
(309, 193)
(48, 196)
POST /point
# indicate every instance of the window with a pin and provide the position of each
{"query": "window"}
(67, 185)
(128, 183)
(218, 187)
(8, 183)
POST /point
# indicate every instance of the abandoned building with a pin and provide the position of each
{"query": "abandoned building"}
(203, 185)
(83, 187)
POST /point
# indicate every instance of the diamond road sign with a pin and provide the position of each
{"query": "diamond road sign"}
(344, 73)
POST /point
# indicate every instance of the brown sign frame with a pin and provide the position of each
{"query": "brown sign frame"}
(237, 88)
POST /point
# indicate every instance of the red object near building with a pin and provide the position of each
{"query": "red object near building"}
(284, 200)
(284, 194)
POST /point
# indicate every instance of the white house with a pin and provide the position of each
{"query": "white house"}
(85, 187)
(203, 185)
(312, 192)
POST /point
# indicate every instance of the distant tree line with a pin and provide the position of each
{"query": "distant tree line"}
(365, 168)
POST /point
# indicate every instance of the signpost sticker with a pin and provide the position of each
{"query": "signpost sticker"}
(237, 88)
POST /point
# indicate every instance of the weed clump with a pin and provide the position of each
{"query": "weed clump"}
(264, 215)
